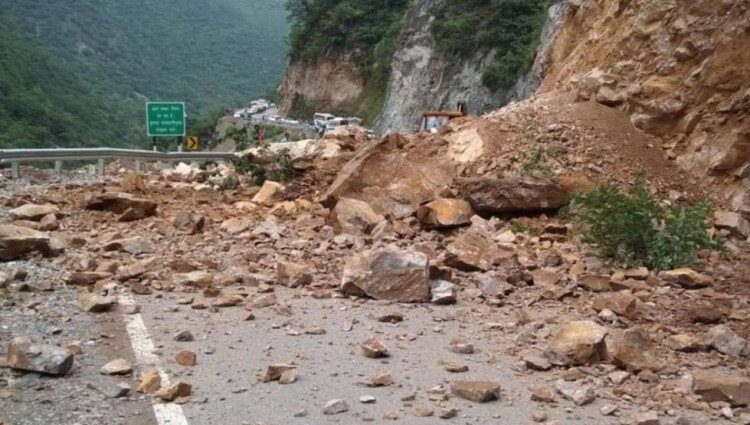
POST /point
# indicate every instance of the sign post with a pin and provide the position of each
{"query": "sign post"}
(192, 143)
(165, 119)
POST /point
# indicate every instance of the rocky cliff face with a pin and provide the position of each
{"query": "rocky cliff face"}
(326, 86)
(679, 69)
(421, 79)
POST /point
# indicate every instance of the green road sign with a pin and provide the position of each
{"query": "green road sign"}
(165, 119)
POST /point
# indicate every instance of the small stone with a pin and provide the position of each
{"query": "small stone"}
(618, 377)
(117, 367)
(577, 343)
(186, 358)
(391, 318)
(423, 412)
(274, 372)
(477, 391)
(150, 383)
(608, 409)
(460, 346)
(448, 413)
(539, 416)
(374, 348)
(288, 376)
(177, 390)
(647, 418)
(380, 380)
(367, 399)
(183, 336)
(443, 292)
(454, 367)
(542, 395)
(537, 362)
(726, 341)
(94, 303)
(581, 395)
(335, 406)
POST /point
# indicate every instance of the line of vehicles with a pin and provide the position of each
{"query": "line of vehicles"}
(256, 107)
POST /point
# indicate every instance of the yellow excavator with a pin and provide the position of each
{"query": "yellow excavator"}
(433, 121)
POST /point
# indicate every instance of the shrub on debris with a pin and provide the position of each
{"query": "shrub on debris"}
(634, 227)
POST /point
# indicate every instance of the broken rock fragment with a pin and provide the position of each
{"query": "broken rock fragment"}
(623, 303)
(130, 207)
(355, 217)
(16, 242)
(33, 212)
(95, 303)
(23, 354)
(185, 358)
(713, 386)
(292, 274)
(269, 193)
(336, 406)
(724, 340)
(276, 371)
(177, 390)
(443, 292)
(189, 223)
(577, 343)
(117, 367)
(476, 391)
(388, 275)
(445, 213)
(687, 278)
(579, 394)
(474, 250)
(374, 348)
(150, 383)
(632, 351)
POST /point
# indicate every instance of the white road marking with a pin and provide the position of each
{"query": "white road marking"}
(143, 346)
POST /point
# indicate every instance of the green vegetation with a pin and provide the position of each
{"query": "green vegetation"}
(75, 74)
(509, 27)
(265, 166)
(635, 228)
(535, 162)
(364, 30)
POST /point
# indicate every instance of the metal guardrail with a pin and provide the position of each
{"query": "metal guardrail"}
(17, 156)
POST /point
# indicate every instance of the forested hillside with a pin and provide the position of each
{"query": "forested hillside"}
(83, 70)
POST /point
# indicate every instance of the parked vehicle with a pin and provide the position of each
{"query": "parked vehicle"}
(320, 121)
(342, 122)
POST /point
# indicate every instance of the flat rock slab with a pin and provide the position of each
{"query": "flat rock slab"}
(477, 391)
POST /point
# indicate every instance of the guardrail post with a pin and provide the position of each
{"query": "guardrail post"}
(137, 165)
(14, 170)
(100, 167)
(58, 166)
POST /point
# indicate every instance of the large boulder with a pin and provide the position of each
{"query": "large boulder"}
(128, 206)
(388, 275)
(443, 213)
(577, 343)
(393, 180)
(355, 217)
(32, 212)
(23, 354)
(515, 195)
(733, 389)
(16, 241)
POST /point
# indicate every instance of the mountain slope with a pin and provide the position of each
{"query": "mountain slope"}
(208, 53)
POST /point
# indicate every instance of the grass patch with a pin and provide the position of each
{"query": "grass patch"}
(635, 228)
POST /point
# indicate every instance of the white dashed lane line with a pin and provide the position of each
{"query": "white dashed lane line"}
(143, 347)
